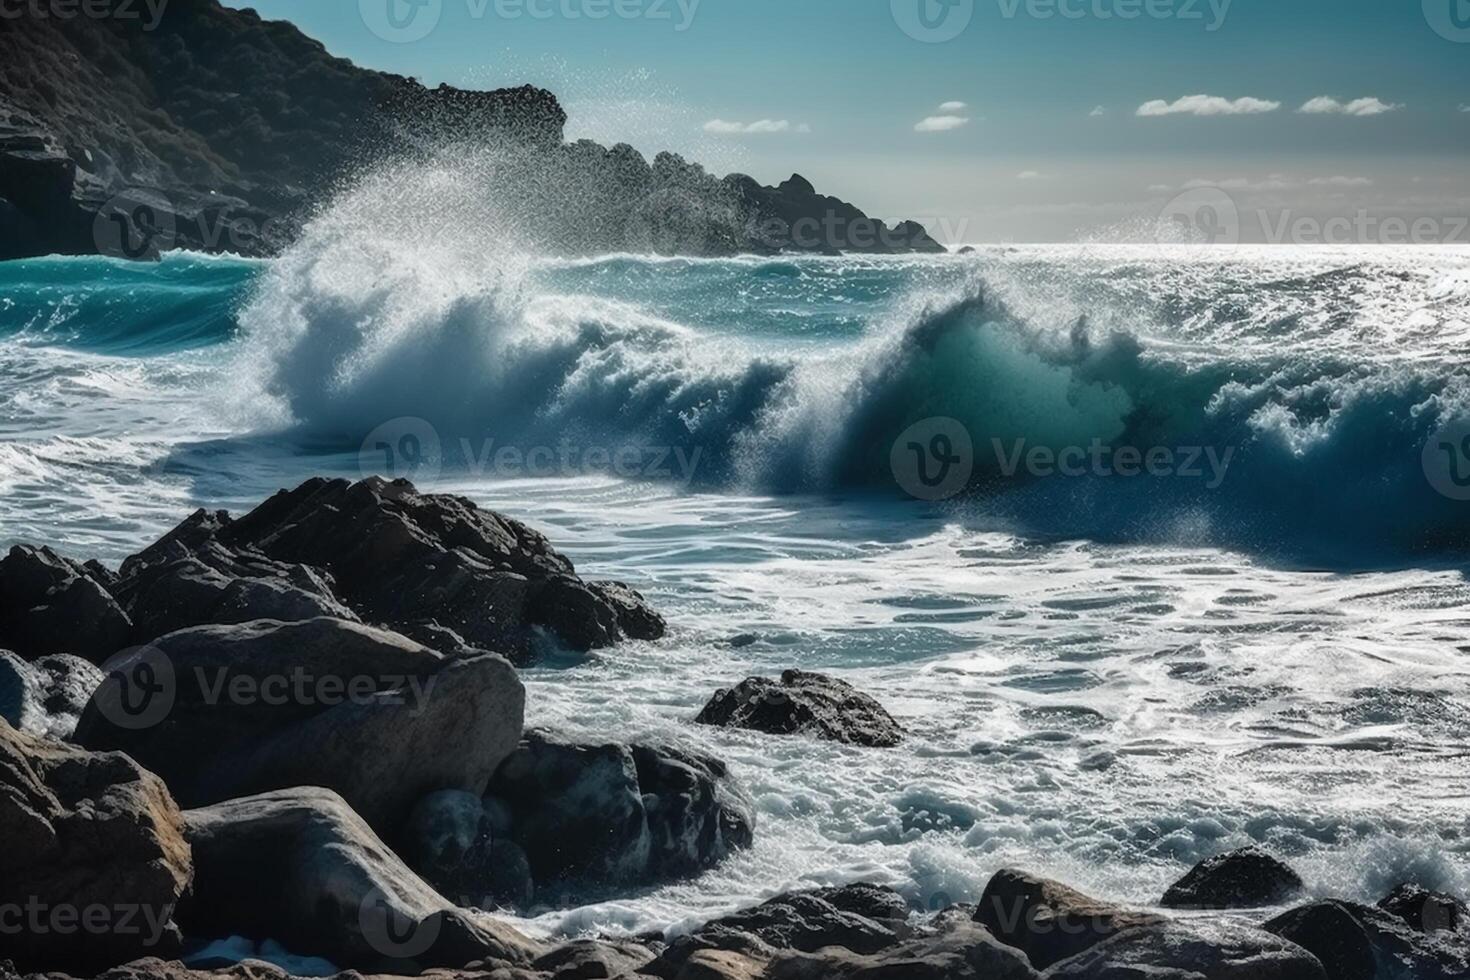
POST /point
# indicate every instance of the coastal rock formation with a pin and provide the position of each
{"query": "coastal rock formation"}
(802, 703)
(616, 814)
(1243, 879)
(1425, 910)
(1216, 951)
(49, 604)
(86, 834)
(47, 696)
(1049, 921)
(205, 127)
(449, 840)
(301, 867)
(1360, 942)
(260, 706)
(959, 951)
(428, 564)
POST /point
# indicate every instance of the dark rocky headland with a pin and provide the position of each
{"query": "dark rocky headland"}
(293, 742)
(217, 131)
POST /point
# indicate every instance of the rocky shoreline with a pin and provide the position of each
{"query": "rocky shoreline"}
(292, 743)
(213, 130)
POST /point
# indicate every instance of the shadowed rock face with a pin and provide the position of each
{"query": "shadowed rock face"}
(1189, 952)
(83, 830)
(215, 130)
(1360, 942)
(613, 814)
(803, 704)
(1048, 921)
(50, 604)
(1243, 879)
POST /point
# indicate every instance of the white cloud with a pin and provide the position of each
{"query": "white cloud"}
(1028, 175)
(1465, 108)
(940, 124)
(761, 127)
(1098, 111)
(952, 107)
(1326, 105)
(1340, 182)
(1207, 105)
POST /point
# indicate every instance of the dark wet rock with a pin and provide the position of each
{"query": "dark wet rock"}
(861, 918)
(1425, 910)
(83, 830)
(961, 951)
(448, 841)
(617, 814)
(416, 562)
(1243, 879)
(301, 867)
(50, 604)
(1360, 942)
(188, 578)
(1047, 920)
(593, 960)
(260, 706)
(1200, 951)
(47, 696)
(802, 703)
(793, 217)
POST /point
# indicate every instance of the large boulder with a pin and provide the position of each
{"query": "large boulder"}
(260, 706)
(430, 562)
(617, 814)
(300, 867)
(87, 840)
(50, 604)
(1360, 942)
(1049, 921)
(48, 695)
(803, 704)
(188, 578)
(1244, 879)
(1425, 910)
(1200, 951)
(959, 951)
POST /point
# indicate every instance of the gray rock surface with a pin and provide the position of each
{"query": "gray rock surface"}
(1049, 921)
(86, 834)
(1242, 879)
(1360, 942)
(301, 867)
(802, 703)
(47, 696)
(1199, 951)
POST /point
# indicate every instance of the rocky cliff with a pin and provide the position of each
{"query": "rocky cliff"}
(208, 128)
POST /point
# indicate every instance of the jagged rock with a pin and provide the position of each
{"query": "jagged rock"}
(87, 834)
(301, 867)
(1200, 951)
(615, 813)
(417, 561)
(187, 578)
(1048, 921)
(46, 697)
(448, 841)
(1359, 942)
(262, 706)
(1425, 910)
(49, 604)
(1244, 879)
(802, 703)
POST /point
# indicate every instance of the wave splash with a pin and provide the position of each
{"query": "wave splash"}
(443, 315)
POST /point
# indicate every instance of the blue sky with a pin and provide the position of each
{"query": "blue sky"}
(1052, 142)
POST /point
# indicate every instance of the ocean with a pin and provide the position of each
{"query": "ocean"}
(1155, 550)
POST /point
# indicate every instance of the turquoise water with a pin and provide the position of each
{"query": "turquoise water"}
(1106, 677)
